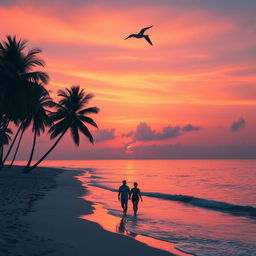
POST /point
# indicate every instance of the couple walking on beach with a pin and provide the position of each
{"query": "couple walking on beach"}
(124, 193)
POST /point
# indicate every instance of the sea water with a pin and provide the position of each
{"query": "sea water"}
(205, 207)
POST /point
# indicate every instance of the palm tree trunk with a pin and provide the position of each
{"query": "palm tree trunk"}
(32, 152)
(4, 125)
(1, 154)
(13, 141)
(17, 148)
(46, 154)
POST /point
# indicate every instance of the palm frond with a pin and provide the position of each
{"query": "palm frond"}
(36, 77)
(59, 127)
(92, 110)
(62, 93)
(86, 98)
(85, 131)
(58, 115)
(74, 134)
(57, 106)
(88, 120)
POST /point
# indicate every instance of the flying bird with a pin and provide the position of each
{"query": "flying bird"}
(141, 35)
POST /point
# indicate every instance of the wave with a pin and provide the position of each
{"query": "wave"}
(95, 184)
(205, 203)
(239, 210)
(95, 177)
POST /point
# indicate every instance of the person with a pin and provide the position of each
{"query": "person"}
(123, 194)
(136, 195)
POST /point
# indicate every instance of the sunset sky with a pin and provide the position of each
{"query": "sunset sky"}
(193, 94)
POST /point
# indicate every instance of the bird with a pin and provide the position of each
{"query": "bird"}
(141, 35)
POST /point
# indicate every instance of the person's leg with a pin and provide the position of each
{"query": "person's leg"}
(122, 204)
(136, 207)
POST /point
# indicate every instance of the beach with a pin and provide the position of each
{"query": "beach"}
(190, 207)
(40, 215)
(18, 194)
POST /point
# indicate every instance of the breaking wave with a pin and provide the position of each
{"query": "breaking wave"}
(239, 210)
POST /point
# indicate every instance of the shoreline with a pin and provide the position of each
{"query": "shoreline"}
(117, 225)
(55, 220)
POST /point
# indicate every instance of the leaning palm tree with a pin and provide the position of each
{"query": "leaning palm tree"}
(3, 136)
(39, 119)
(5, 139)
(70, 115)
(17, 147)
(18, 81)
(14, 139)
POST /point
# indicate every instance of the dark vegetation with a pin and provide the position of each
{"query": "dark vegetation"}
(25, 103)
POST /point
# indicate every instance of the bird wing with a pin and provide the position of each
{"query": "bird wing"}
(129, 36)
(144, 29)
(148, 39)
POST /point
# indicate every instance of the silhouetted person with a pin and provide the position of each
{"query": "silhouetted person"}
(123, 194)
(135, 194)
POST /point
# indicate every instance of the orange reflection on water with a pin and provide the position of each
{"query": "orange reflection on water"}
(118, 225)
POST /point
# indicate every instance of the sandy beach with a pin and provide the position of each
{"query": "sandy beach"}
(51, 225)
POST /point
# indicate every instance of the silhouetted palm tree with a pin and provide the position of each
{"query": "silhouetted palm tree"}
(18, 82)
(17, 148)
(5, 138)
(40, 119)
(70, 114)
(13, 141)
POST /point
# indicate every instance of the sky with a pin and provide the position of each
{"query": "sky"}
(190, 95)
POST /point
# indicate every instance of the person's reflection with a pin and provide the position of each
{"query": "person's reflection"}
(121, 227)
(132, 234)
(134, 225)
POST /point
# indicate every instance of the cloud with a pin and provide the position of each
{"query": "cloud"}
(170, 151)
(129, 134)
(145, 133)
(179, 151)
(190, 128)
(104, 134)
(238, 125)
(217, 5)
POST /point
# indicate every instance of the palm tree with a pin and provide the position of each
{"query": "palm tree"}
(18, 82)
(40, 119)
(17, 148)
(5, 138)
(13, 141)
(70, 115)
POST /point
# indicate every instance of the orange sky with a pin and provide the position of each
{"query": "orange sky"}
(201, 71)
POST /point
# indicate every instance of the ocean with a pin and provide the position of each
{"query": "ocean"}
(204, 207)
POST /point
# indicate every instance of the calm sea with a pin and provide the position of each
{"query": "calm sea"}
(205, 207)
